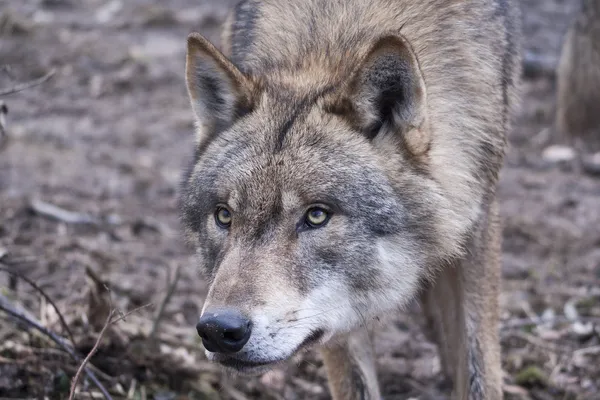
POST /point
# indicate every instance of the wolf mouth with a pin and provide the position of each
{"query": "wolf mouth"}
(241, 365)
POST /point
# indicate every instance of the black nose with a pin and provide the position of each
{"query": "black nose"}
(224, 331)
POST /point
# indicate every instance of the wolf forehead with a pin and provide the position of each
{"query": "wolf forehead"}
(286, 156)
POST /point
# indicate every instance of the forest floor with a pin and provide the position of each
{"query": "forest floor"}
(89, 173)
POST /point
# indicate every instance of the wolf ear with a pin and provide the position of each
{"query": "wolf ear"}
(387, 93)
(218, 90)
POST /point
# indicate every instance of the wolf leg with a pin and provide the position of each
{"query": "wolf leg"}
(462, 306)
(351, 368)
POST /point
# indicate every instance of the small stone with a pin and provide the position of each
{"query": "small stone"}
(549, 334)
(548, 315)
(558, 154)
(587, 384)
(570, 311)
(583, 331)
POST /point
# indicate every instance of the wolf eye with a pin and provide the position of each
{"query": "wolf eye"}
(223, 217)
(316, 217)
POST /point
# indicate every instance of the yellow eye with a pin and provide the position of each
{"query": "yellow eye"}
(223, 217)
(316, 217)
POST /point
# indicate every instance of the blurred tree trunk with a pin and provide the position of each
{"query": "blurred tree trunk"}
(578, 91)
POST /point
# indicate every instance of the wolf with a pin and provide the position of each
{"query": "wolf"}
(345, 164)
(578, 79)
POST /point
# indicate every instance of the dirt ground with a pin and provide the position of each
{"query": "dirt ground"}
(105, 139)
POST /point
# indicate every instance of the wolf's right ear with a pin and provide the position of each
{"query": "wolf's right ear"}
(218, 90)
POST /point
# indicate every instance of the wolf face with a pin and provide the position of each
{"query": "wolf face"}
(311, 205)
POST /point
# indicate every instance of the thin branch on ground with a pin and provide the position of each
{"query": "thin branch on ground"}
(523, 322)
(109, 321)
(48, 299)
(70, 217)
(587, 350)
(537, 342)
(89, 356)
(8, 308)
(54, 212)
(3, 113)
(3, 124)
(128, 313)
(172, 285)
(26, 85)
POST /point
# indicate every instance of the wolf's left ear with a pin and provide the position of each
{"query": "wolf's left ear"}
(387, 93)
(218, 90)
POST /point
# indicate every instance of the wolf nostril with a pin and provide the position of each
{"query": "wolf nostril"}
(237, 333)
(225, 331)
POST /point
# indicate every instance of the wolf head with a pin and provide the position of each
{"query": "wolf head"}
(309, 200)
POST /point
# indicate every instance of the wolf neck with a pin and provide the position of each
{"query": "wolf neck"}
(306, 79)
(302, 40)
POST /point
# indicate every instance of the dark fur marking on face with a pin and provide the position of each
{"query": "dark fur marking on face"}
(329, 256)
(334, 261)
(299, 108)
(287, 125)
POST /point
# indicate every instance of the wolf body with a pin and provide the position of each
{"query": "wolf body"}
(347, 155)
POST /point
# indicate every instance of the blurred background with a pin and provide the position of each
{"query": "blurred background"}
(95, 128)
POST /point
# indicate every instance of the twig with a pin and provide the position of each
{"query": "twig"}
(128, 313)
(109, 321)
(172, 285)
(587, 350)
(3, 125)
(48, 299)
(131, 391)
(8, 308)
(26, 85)
(3, 113)
(55, 212)
(531, 339)
(90, 354)
(521, 322)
